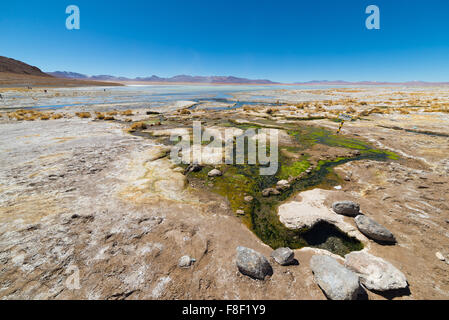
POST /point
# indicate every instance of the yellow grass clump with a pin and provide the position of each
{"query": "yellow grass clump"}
(100, 116)
(138, 126)
(127, 113)
(83, 115)
(56, 116)
(29, 115)
(350, 110)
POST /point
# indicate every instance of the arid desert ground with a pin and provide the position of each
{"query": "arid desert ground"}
(90, 186)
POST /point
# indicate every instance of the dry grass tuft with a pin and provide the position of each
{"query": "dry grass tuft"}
(83, 115)
(127, 113)
(100, 116)
(138, 126)
(56, 116)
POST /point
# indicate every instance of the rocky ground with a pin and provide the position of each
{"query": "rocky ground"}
(85, 196)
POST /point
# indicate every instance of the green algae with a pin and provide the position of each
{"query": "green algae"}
(260, 215)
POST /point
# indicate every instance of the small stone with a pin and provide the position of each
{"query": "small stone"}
(337, 282)
(282, 185)
(375, 273)
(270, 191)
(440, 256)
(194, 167)
(214, 173)
(248, 199)
(252, 264)
(347, 208)
(185, 262)
(283, 256)
(374, 230)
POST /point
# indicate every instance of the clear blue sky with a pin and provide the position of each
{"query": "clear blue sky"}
(284, 41)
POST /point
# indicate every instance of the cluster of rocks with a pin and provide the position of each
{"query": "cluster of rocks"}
(360, 270)
(281, 186)
(253, 264)
(366, 225)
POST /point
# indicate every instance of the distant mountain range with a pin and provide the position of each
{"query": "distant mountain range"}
(227, 80)
(14, 67)
(175, 79)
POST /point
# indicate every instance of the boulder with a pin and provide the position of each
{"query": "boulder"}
(253, 264)
(214, 173)
(336, 281)
(283, 256)
(375, 273)
(374, 230)
(347, 208)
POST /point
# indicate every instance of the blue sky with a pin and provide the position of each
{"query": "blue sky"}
(284, 41)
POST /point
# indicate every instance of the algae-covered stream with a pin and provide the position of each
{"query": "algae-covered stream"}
(260, 215)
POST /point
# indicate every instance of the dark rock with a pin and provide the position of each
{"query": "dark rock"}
(347, 208)
(194, 167)
(374, 230)
(253, 264)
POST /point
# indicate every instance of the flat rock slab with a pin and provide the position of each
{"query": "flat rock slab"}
(252, 263)
(374, 230)
(375, 273)
(347, 208)
(337, 282)
(308, 212)
(312, 210)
